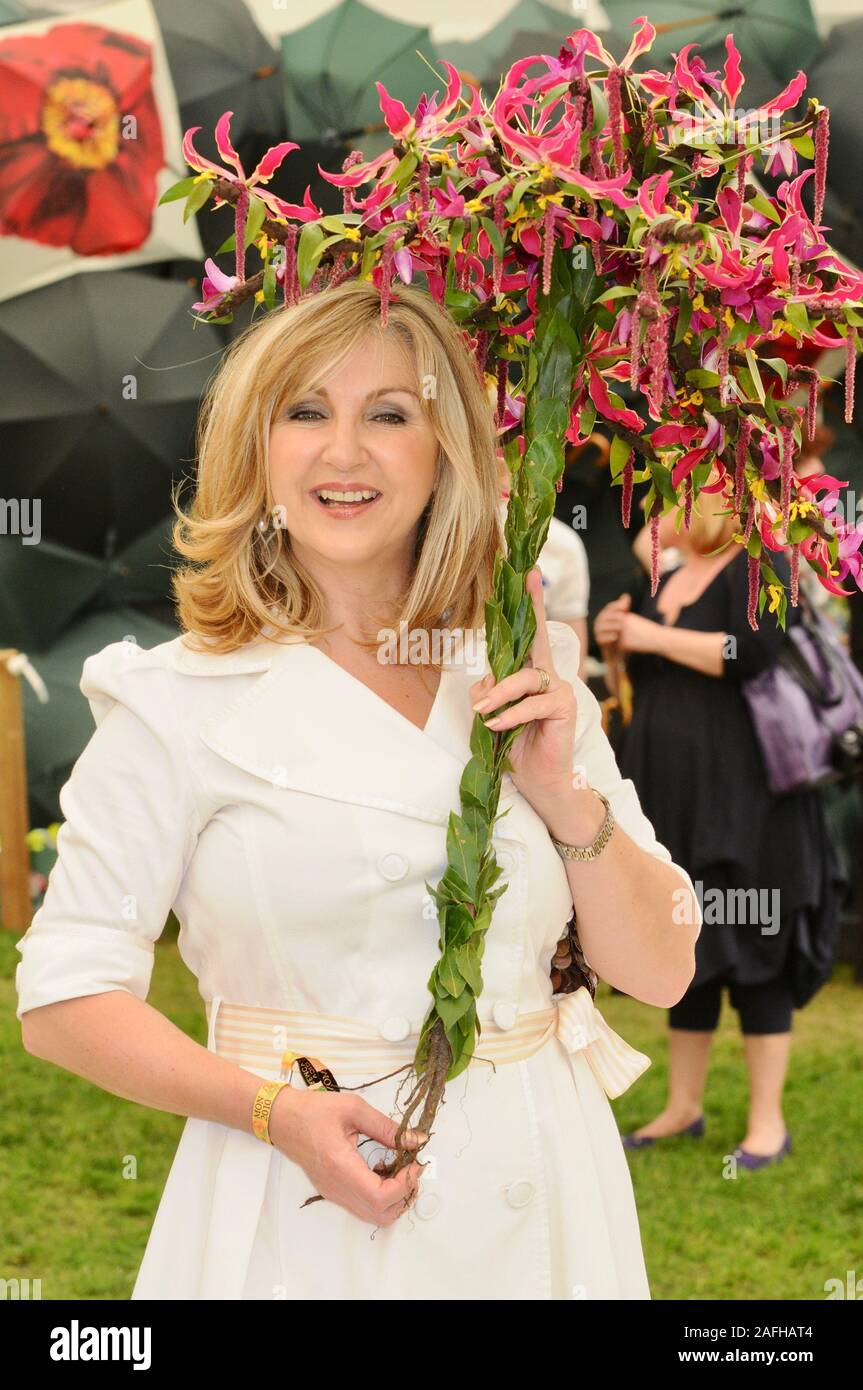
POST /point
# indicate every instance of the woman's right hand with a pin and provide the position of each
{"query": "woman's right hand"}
(609, 620)
(319, 1130)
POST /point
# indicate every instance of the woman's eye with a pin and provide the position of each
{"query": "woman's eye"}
(383, 415)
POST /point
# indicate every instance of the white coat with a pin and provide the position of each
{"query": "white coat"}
(292, 818)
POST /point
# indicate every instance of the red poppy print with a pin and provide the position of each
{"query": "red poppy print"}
(80, 139)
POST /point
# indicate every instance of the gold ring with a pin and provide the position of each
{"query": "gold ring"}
(544, 679)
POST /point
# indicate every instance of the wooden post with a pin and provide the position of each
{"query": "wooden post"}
(15, 906)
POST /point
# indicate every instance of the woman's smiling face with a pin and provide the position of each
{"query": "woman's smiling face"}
(364, 431)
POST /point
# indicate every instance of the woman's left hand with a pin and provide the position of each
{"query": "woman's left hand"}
(542, 754)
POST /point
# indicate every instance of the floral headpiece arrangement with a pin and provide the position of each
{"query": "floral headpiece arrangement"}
(590, 227)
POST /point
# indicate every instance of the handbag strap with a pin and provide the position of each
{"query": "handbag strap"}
(795, 662)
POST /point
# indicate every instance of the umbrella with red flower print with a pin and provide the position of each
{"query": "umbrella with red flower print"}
(89, 139)
(69, 176)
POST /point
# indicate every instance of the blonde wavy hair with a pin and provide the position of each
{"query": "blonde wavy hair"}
(241, 579)
(711, 523)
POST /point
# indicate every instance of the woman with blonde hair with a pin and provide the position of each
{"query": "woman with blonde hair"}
(282, 775)
(764, 866)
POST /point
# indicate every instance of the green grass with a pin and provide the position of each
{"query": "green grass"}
(778, 1233)
(69, 1217)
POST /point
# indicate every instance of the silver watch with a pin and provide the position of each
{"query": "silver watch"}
(592, 851)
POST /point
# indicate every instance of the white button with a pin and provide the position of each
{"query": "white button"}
(504, 1013)
(395, 1029)
(393, 866)
(427, 1204)
(518, 1194)
(505, 859)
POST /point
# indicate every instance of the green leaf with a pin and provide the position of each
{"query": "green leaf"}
(269, 285)
(403, 170)
(310, 240)
(778, 365)
(468, 960)
(762, 204)
(755, 374)
(616, 292)
(700, 376)
(619, 454)
(462, 850)
(805, 145)
(493, 235)
(449, 976)
(196, 199)
(451, 1010)
(797, 316)
(177, 190)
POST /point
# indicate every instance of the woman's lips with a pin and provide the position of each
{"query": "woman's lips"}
(344, 511)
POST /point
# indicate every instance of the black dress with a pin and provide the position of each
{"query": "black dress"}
(692, 753)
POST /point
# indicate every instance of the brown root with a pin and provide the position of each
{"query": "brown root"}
(427, 1092)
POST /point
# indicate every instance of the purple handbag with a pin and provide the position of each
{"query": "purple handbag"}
(807, 709)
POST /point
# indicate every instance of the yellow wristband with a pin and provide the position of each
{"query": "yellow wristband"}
(262, 1106)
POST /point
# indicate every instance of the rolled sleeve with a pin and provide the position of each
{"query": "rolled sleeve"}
(594, 760)
(563, 561)
(129, 827)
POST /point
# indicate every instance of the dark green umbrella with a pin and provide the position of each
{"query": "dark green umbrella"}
(835, 78)
(42, 588)
(524, 44)
(490, 55)
(331, 65)
(779, 34)
(99, 406)
(220, 61)
(57, 732)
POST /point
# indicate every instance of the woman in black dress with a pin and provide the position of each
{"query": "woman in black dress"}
(763, 865)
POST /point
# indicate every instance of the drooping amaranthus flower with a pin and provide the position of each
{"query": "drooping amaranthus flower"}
(750, 520)
(500, 223)
(744, 435)
(290, 283)
(654, 553)
(786, 438)
(547, 246)
(795, 573)
(850, 368)
(812, 405)
(355, 157)
(502, 379)
(634, 346)
(241, 217)
(822, 139)
(687, 503)
(387, 266)
(657, 357)
(423, 170)
(626, 491)
(753, 567)
(615, 115)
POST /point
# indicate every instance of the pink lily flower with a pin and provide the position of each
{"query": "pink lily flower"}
(216, 283)
(598, 392)
(782, 156)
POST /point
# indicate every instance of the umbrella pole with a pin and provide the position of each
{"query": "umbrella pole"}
(15, 905)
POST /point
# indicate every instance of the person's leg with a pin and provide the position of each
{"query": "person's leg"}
(692, 1023)
(765, 1021)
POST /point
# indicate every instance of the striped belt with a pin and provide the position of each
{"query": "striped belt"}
(270, 1040)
